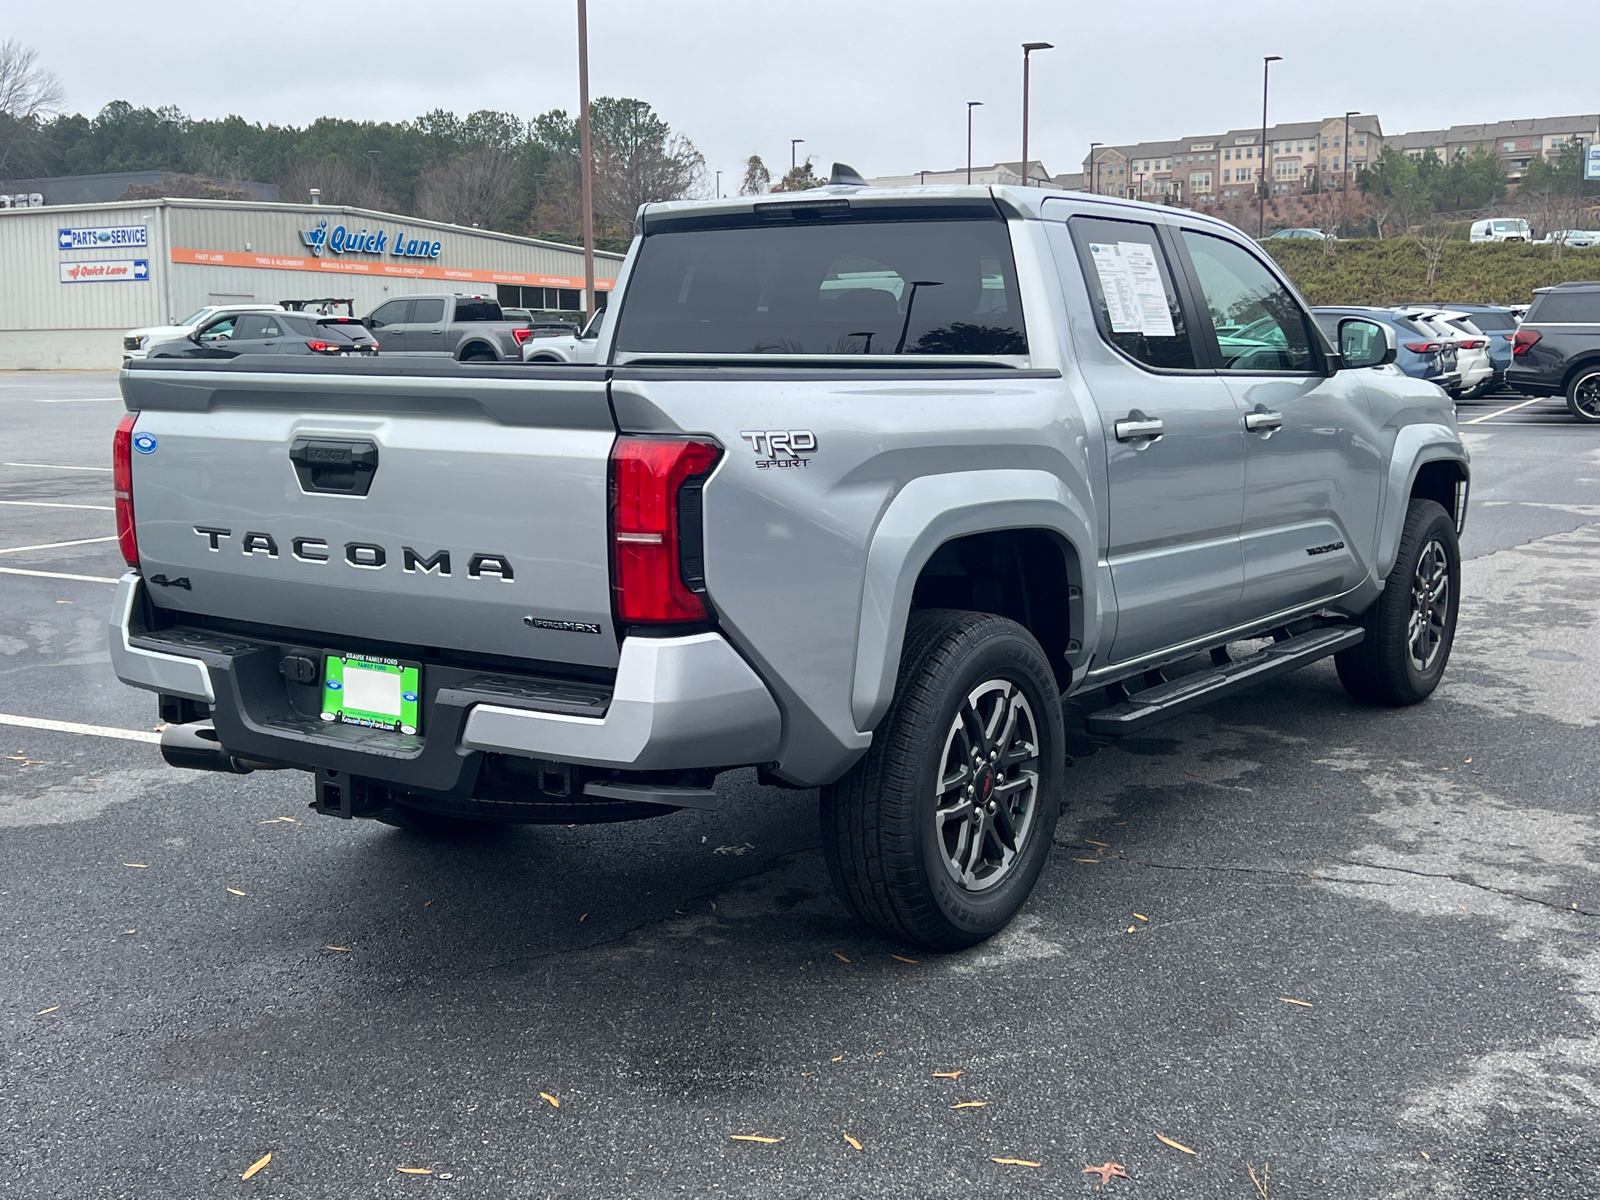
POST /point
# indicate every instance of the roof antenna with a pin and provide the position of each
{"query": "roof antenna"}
(846, 176)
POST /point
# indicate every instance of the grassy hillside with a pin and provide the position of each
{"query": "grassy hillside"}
(1363, 271)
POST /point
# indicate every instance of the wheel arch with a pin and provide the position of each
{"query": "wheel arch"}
(469, 348)
(934, 537)
(1437, 449)
(1583, 364)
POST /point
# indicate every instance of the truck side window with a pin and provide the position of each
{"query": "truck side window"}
(1130, 283)
(430, 312)
(392, 313)
(1260, 325)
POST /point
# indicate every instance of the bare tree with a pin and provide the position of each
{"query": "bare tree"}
(638, 159)
(27, 89)
(757, 179)
(187, 187)
(337, 181)
(479, 188)
(1433, 239)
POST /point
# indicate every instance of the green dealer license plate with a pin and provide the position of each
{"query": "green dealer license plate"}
(379, 693)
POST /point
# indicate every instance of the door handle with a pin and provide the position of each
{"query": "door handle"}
(1133, 429)
(1263, 422)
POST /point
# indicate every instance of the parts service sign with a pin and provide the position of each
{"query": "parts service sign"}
(108, 238)
(111, 270)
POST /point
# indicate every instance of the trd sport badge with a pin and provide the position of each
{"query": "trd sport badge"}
(781, 449)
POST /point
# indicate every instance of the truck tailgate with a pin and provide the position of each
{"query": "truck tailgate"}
(483, 526)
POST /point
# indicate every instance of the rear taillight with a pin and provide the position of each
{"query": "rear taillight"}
(657, 556)
(1474, 343)
(1424, 347)
(1524, 341)
(523, 336)
(324, 347)
(122, 488)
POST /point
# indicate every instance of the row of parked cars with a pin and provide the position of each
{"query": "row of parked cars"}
(472, 328)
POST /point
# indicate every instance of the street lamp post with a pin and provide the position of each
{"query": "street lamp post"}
(719, 185)
(971, 104)
(1347, 116)
(1266, 65)
(793, 142)
(1094, 168)
(586, 151)
(1027, 49)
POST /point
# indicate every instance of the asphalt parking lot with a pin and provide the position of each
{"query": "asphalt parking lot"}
(1351, 952)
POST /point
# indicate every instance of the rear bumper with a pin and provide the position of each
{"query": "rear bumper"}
(1532, 383)
(679, 703)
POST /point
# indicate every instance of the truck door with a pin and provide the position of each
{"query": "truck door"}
(1174, 440)
(425, 328)
(1312, 458)
(388, 325)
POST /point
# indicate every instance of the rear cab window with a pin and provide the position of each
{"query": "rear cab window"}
(863, 282)
(466, 310)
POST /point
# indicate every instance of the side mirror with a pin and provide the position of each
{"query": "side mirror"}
(1364, 343)
(371, 323)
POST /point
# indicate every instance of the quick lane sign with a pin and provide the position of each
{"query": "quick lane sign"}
(113, 270)
(362, 241)
(105, 238)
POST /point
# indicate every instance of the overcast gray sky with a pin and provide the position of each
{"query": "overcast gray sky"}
(881, 86)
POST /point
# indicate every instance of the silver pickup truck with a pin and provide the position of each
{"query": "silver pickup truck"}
(863, 484)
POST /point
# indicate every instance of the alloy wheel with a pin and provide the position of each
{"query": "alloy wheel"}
(988, 788)
(1430, 606)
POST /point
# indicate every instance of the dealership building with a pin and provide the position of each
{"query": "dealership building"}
(74, 277)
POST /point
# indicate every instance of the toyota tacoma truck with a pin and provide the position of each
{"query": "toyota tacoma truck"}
(862, 486)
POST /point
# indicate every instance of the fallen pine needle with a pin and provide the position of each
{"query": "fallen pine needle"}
(837, 1058)
(1141, 916)
(257, 1165)
(140, 866)
(583, 918)
(554, 1102)
(235, 892)
(43, 1011)
(1102, 845)
(948, 1074)
(1261, 1184)
(902, 958)
(971, 1104)
(1132, 928)
(840, 957)
(1087, 860)
(1161, 1137)
(415, 1170)
(340, 949)
(755, 1137)
(854, 1145)
(1301, 1003)
(1015, 1162)
(125, 932)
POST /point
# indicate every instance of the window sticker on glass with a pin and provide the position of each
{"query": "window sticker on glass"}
(1136, 299)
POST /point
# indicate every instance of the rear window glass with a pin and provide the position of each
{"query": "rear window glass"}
(469, 310)
(1568, 308)
(1130, 284)
(873, 288)
(1487, 321)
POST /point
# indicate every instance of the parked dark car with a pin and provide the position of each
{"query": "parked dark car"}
(1420, 352)
(1556, 352)
(272, 333)
(469, 328)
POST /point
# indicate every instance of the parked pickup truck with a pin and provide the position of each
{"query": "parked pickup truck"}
(863, 483)
(575, 347)
(468, 328)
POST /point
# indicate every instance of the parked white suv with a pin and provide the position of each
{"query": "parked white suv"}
(1501, 229)
(1472, 347)
(136, 343)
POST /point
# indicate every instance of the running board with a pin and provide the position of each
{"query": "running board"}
(1168, 699)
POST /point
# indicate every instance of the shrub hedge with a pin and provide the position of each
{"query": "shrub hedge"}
(1366, 271)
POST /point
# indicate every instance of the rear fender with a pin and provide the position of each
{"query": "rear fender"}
(925, 514)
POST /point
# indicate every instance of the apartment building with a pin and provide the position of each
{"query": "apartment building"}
(1514, 143)
(1226, 167)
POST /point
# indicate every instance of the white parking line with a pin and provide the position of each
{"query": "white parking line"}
(59, 575)
(49, 504)
(56, 545)
(56, 467)
(1504, 411)
(106, 731)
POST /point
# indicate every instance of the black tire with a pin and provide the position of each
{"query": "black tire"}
(1583, 396)
(1398, 663)
(479, 354)
(892, 846)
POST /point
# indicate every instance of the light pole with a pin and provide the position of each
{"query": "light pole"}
(971, 104)
(1094, 168)
(587, 153)
(1266, 65)
(1353, 112)
(719, 185)
(793, 142)
(1027, 49)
